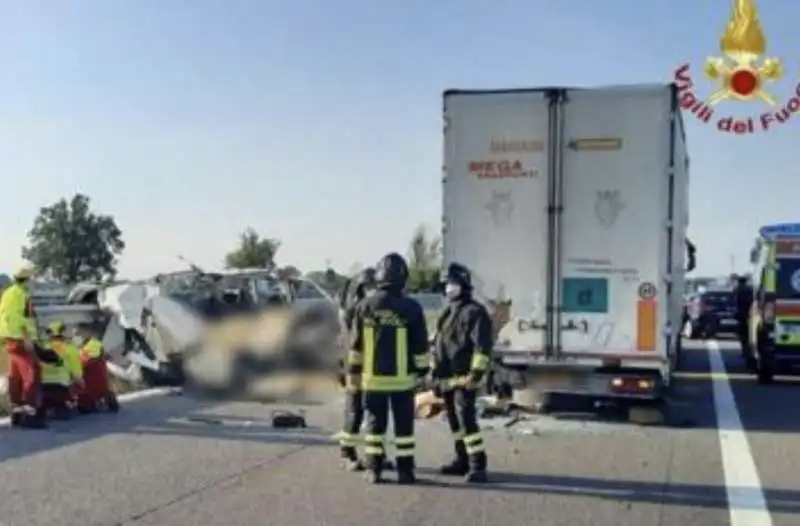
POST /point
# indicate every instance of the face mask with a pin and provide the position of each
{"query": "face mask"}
(369, 292)
(452, 290)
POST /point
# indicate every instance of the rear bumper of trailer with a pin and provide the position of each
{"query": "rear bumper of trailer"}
(613, 378)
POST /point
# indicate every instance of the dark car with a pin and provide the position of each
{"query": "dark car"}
(710, 314)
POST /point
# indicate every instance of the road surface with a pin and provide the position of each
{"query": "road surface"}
(172, 461)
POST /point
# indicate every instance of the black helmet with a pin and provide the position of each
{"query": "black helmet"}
(367, 277)
(391, 270)
(460, 274)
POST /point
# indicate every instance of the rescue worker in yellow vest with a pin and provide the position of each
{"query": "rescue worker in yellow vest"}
(461, 355)
(59, 381)
(18, 334)
(387, 358)
(95, 393)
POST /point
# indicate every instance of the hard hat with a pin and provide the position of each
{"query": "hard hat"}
(23, 273)
(392, 270)
(56, 328)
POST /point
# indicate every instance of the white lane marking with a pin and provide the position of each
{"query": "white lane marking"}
(746, 501)
(124, 398)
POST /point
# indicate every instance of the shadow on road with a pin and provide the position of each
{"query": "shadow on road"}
(693, 495)
(170, 415)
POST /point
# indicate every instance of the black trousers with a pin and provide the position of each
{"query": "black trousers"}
(353, 418)
(743, 335)
(378, 406)
(462, 417)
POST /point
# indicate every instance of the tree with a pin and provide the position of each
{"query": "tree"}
(254, 251)
(71, 243)
(424, 261)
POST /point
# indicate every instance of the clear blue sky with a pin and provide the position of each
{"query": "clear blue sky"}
(319, 121)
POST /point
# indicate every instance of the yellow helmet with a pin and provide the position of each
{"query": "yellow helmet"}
(23, 273)
(56, 328)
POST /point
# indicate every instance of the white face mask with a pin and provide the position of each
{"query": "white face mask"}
(452, 290)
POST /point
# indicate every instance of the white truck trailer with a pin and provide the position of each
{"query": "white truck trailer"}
(571, 206)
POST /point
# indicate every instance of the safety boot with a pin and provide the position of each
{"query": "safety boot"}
(374, 466)
(405, 470)
(35, 420)
(459, 466)
(350, 459)
(477, 469)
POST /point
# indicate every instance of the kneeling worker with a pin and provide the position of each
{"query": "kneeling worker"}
(61, 380)
(96, 392)
(461, 358)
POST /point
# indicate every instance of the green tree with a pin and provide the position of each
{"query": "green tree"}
(424, 261)
(71, 243)
(253, 251)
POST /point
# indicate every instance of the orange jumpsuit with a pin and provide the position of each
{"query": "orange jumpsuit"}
(96, 386)
(17, 325)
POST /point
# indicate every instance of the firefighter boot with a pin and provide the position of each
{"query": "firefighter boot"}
(350, 459)
(405, 470)
(459, 466)
(112, 403)
(477, 468)
(374, 467)
(33, 420)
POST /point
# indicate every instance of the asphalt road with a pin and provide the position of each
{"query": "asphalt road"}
(172, 461)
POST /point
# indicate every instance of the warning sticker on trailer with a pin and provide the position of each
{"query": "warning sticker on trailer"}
(647, 290)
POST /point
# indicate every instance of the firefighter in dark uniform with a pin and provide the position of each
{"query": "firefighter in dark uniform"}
(361, 286)
(387, 359)
(462, 355)
(743, 296)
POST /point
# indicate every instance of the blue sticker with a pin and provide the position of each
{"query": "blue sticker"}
(780, 230)
(584, 295)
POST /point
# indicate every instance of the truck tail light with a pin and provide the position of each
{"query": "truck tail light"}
(769, 312)
(628, 385)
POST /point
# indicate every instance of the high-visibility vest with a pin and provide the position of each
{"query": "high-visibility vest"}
(92, 349)
(16, 314)
(66, 373)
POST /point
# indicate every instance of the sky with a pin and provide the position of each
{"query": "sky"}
(319, 122)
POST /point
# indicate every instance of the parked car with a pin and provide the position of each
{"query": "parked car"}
(710, 314)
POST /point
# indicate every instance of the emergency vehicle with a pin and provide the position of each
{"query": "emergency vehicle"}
(775, 312)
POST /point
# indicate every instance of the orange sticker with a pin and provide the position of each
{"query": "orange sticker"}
(646, 324)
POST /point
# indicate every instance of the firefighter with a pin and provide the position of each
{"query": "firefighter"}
(388, 356)
(743, 296)
(461, 355)
(60, 381)
(18, 331)
(362, 286)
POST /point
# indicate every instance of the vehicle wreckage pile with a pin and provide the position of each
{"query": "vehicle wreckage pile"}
(243, 334)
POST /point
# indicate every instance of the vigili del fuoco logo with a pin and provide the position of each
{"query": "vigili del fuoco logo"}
(742, 74)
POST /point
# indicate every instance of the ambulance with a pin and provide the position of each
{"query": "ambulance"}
(775, 312)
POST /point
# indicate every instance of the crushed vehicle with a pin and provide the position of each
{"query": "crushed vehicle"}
(214, 332)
